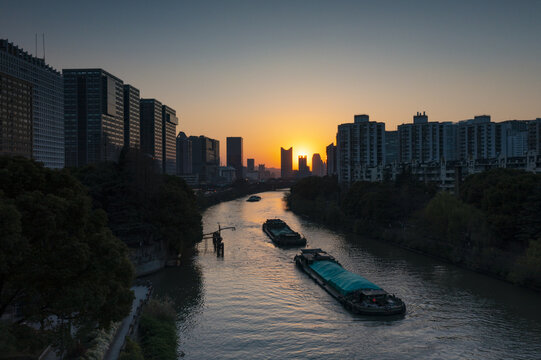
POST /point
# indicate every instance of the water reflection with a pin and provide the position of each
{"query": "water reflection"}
(255, 304)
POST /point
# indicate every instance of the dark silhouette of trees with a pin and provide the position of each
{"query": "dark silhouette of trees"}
(58, 258)
(143, 205)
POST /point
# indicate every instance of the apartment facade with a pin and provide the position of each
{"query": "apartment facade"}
(359, 145)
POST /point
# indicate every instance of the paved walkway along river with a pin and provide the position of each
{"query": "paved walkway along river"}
(255, 304)
(114, 350)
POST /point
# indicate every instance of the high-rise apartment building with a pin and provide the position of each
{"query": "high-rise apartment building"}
(152, 130)
(419, 141)
(169, 144)
(512, 138)
(534, 135)
(47, 101)
(184, 154)
(391, 146)
(359, 146)
(94, 116)
(132, 117)
(15, 116)
(286, 163)
(235, 155)
(476, 138)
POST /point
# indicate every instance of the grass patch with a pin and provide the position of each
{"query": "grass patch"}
(158, 331)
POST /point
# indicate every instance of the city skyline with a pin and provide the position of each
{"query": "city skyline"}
(286, 74)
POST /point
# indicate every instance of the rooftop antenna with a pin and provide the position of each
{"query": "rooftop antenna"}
(43, 34)
(36, 53)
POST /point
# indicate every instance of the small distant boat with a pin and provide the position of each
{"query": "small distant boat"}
(281, 234)
(353, 291)
(254, 198)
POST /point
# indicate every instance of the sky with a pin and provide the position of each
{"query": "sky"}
(287, 73)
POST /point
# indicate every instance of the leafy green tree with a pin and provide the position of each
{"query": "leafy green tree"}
(59, 259)
(511, 200)
(143, 205)
(176, 214)
(449, 220)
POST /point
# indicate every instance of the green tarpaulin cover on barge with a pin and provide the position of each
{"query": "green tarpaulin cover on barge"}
(341, 279)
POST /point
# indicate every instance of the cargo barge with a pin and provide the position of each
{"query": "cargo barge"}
(354, 292)
(281, 234)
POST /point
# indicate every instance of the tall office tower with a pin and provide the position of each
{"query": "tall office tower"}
(234, 155)
(476, 138)
(304, 170)
(359, 146)
(184, 154)
(318, 168)
(132, 117)
(94, 116)
(534, 136)
(205, 158)
(250, 164)
(15, 116)
(47, 102)
(331, 159)
(169, 144)
(286, 162)
(152, 129)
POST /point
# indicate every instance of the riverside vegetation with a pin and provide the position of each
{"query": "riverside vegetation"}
(492, 225)
(65, 269)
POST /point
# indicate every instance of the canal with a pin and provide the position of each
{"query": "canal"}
(254, 303)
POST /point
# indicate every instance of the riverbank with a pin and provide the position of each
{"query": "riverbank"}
(415, 217)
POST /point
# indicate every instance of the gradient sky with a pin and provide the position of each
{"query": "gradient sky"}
(286, 73)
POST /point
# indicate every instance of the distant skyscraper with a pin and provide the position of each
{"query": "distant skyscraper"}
(184, 154)
(286, 160)
(169, 144)
(234, 155)
(47, 102)
(331, 159)
(318, 168)
(250, 165)
(15, 116)
(132, 117)
(358, 146)
(152, 129)
(94, 116)
(304, 170)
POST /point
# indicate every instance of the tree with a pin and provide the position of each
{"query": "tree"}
(58, 258)
(511, 200)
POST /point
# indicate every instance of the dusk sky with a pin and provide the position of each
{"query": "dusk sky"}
(286, 73)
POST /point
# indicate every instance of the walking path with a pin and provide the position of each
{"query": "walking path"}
(140, 293)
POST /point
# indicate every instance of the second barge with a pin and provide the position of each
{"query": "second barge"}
(281, 234)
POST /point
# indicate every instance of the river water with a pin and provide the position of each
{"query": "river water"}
(254, 303)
